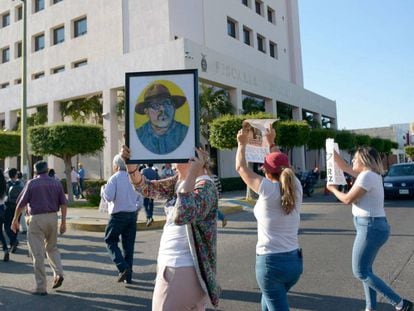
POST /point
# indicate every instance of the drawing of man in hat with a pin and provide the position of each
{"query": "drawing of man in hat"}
(161, 134)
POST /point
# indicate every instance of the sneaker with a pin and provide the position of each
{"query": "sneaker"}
(35, 292)
(6, 256)
(149, 221)
(407, 306)
(124, 275)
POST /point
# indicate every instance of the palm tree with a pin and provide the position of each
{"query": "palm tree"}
(214, 102)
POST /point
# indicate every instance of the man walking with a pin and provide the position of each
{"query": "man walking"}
(14, 187)
(43, 196)
(124, 203)
(150, 174)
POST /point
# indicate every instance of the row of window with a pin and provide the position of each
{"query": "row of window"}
(57, 35)
(37, 5)
(262, 46)
(41, 74)
(259, 7)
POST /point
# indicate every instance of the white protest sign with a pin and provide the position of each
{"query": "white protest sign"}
(334, 175)
(257, 148)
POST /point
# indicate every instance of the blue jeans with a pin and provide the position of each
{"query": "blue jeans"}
(275, 275)
(372, 233)
(220, 215)
(121, 224)
(149, 207)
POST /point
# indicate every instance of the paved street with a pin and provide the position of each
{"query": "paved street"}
(327, 283)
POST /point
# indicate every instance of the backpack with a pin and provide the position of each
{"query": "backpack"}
(14, 190)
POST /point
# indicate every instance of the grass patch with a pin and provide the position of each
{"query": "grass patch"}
(82, 204)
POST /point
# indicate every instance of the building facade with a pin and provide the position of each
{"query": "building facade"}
(82, 48)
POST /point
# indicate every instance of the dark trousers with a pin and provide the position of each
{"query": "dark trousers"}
(121, 224)
(8, 219)
(2, 221)
(149, 207)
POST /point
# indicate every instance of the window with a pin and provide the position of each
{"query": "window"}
(271, 17)
(58, 35)
(258, 7)
(39, 42)
(79, 63)
(261, 43)
(5, 55)
(18, 13)
(231, 28)
(56, 1)
(57, 69)
(247, 33)
(5, 19)
(79, 27)
(18, 49)
(273, 49)
(38, 75)
(4, 85)
(245, 2)
(39, 5)
(18, 81)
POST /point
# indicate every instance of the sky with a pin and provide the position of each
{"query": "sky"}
(360, 53)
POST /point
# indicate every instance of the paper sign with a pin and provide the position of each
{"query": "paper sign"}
(257, 147)
(334, 175)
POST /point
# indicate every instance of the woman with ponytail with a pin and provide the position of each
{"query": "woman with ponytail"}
(278, 256)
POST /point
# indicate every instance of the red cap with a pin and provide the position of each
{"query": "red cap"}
(275, 162)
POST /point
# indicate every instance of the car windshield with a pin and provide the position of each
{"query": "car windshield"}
(401, 170)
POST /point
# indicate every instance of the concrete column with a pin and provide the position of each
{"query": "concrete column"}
(110, 126)
(9, 124)
(236, 99)
(270, 106)
(53, 116)
(317, 117)
(298, 153)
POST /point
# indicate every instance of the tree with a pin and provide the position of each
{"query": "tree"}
(317, 139)
(65, 141)
(213, 103)
(83, 109)
(409, 151)
(346, 141)
(253, 105)
(290, 134)
(10, 144)
(362, 140)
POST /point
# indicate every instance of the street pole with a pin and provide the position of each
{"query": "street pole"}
(23, 143)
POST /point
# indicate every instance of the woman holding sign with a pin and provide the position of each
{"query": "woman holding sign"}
(278, 256)
(372, 228)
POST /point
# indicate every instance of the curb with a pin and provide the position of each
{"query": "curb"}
(99, 225)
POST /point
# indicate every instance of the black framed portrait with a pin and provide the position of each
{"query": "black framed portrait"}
(161, 121)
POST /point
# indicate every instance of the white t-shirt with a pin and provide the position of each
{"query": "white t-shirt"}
(277, 232)
(372, 202)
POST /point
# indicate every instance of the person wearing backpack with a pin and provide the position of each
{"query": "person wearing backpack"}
(14, 187)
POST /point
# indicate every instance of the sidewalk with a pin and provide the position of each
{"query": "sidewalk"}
(87, 219)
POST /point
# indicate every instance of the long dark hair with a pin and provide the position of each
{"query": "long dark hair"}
(3, 185)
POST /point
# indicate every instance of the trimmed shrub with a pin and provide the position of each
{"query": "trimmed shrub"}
(232, 184)
(93, 191)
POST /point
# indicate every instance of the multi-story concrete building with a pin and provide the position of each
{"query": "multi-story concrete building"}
(81, 48)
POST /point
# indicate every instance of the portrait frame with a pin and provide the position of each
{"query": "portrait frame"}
(174, 94)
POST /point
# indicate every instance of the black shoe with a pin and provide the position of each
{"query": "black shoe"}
(407, 305)
(13, 248)
(149, 221)
(123, 275)
(58, 281)
(39, 293)
(6, 256)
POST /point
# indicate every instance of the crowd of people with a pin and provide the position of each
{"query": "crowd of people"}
(186, 276)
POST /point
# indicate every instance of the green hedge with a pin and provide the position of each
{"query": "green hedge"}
(232, 184)
(93, 190)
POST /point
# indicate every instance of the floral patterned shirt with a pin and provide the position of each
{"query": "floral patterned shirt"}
(198, 211)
